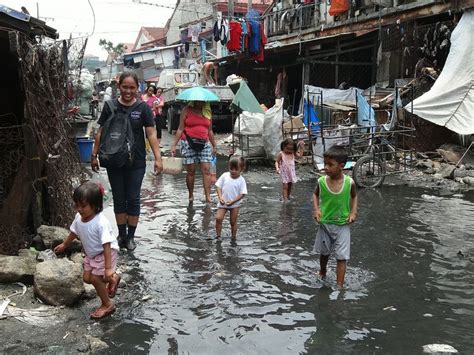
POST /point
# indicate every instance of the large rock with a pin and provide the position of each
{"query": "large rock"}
(468, 180)
(17, 268)
(95, 344)
(77, 258)
(425, 164)
(59, 282)
(28, 253)
(447, 171)
(53, 236)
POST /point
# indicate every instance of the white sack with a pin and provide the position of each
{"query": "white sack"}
(250, 123)
(272, 130)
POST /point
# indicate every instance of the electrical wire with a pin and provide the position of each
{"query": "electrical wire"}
(93, 15)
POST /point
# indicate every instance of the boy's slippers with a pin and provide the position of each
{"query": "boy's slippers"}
(100, 313)
(113, 285)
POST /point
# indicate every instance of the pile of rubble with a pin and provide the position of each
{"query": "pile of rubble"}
(56, 281)
(448, 162)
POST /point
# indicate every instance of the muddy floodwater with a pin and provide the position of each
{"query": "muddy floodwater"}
(406, 284)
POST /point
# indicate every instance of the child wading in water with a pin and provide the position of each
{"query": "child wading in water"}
(231, 189)
(285, 164)
(99, 243)
(335, 207)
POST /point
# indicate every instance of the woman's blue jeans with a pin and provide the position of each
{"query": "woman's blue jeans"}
(126, 184)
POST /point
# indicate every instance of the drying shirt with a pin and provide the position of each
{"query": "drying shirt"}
(231, 188)
(255, 38)
(235, 29)
(94, 234)
(243, 39)
(260, 56)
(140, 117)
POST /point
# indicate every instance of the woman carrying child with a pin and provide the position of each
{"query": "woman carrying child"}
(99, 243)
(285, 164)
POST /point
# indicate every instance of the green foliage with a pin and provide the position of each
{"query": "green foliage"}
(111, 49)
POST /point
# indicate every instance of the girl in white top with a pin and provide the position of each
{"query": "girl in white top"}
(231, 189)
(99, 243)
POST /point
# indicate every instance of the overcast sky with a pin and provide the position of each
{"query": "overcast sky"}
(115, 20)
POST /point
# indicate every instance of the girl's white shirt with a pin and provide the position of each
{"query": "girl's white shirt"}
(94, 234)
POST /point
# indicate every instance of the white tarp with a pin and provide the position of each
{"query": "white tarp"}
(450, 102)
(331, 96)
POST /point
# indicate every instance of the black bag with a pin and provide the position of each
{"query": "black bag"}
(117, 142)
(196, 144)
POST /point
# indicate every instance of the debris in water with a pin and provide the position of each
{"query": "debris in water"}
(146, 298)
(439, 349)
(3, 306)
(43, 316)
(460, 254)
(410, 274)
(390, 308)
(429, 315)
(67, 334)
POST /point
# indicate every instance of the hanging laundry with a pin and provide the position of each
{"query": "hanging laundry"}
(194, 31)
(243, 39)
(224, 31)
(216, 35)
(235, 33)
(338, 7)
(260, 55)
(255, 33)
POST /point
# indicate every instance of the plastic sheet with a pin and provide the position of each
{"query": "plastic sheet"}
(450, 102)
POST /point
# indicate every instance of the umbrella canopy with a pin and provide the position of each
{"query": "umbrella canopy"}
(197, 94)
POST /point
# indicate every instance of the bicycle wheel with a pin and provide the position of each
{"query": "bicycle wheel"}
(369, 171)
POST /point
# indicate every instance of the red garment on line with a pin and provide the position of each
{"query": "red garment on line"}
(260, 57)
(235, 30)
(338, 7)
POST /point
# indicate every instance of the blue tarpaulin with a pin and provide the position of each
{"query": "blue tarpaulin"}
(311, 117)
(365, 113)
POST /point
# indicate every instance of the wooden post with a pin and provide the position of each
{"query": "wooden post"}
(34, 167)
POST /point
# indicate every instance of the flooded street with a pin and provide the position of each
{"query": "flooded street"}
(406, 285)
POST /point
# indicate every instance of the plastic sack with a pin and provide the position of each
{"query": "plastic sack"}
(172, 165)
(272, 133)
(249, 123)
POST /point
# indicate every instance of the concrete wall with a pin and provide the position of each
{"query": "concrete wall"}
(186, 11)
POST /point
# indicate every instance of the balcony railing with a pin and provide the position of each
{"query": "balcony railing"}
(300, 17)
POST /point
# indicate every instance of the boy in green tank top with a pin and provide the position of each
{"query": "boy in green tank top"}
(335, 207)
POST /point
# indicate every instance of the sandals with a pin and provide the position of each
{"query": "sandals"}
(113, 287)
(100, 313)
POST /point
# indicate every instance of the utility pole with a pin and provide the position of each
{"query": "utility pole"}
(249, 5)
(230, 9)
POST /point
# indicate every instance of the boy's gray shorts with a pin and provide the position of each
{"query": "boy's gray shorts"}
(333, 239)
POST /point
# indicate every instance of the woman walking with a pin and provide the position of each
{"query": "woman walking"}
(126, 116)
(197, 144)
